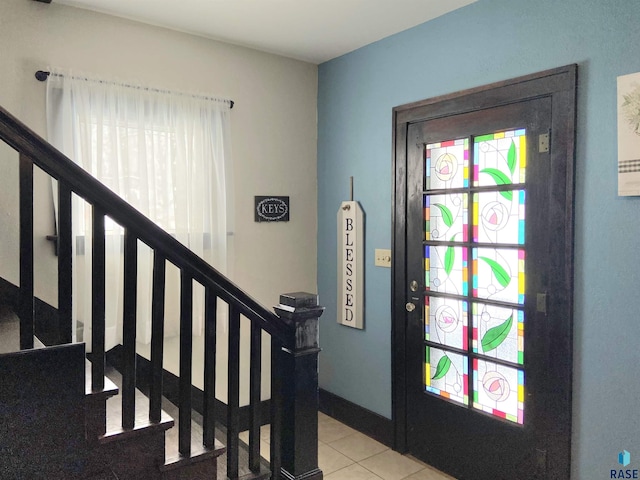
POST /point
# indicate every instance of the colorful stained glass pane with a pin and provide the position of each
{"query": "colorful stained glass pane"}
(447, 164)
(445, 217)
(500, 158)
(498, 218)
(446, 321)
(498, 332)
(498, 390)
(446, 269)
(498, 274)
(446, 375)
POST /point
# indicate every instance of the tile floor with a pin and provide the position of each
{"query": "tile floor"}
(346, 454)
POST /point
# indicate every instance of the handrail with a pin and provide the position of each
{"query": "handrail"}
(55, 163)
(293, 329)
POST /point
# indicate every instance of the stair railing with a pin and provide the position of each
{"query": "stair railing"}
(293, 330)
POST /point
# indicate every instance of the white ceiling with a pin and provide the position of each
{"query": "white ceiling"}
(309, 30)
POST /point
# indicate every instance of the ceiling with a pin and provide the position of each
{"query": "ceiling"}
(311, 30)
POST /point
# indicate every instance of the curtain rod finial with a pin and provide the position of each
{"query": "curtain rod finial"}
(41, 76)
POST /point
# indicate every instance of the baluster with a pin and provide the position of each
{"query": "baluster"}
(255, 374)
(233, 401)
(25, 298)
(210, 319)
(129, 330)
(65, 264)
(97, 302)
(276, 410)
(186, 345)
(157, 337)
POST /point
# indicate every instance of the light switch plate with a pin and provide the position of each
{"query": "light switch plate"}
(383, 258)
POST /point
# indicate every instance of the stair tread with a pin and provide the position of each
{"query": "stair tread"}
(262, 474)
(110, 389)
(198, 454)
(142, 426)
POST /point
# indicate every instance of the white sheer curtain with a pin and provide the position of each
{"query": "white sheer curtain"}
(167, 154)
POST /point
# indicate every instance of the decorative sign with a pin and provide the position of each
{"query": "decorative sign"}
(350, 265)
(272, 209)
(629, 135)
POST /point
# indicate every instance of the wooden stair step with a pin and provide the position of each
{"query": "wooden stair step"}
(142, 427)
(132, 454)
(262, 474)
(96, 405)
(135, 453)
(110, 389)
(201, 463)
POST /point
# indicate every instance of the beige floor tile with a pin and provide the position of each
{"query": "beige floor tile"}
(429, 473)
(265, 450)
(352, 472)
(330, 460)
(265, 433)
(331, 430)
(324, 417)
(358, 446)
(391, 465)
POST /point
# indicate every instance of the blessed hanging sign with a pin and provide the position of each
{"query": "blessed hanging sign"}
(350, 265)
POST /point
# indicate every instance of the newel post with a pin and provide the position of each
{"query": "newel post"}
(300, 387)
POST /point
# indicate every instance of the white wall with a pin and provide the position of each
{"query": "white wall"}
(273, 126)
(273, 130)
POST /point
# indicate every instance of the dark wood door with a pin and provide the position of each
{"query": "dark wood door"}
(486, 378)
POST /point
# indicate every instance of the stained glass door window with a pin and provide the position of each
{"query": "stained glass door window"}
(475, 255)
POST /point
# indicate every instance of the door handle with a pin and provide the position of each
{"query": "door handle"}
(410, 306)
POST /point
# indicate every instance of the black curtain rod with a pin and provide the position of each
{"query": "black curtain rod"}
(41, 76)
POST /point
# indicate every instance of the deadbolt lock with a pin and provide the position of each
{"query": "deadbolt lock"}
(413, 286)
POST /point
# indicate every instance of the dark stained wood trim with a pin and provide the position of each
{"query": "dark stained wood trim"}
(255, 377)
(486, 96)
(233, 393)
(275, 412)
(365, 421)
(186, 352)
(65, 264)
(209, 407)
(398, 276)
(129, 327)
(25, 295)
(559, 84)
(98, 263)
(157, 337)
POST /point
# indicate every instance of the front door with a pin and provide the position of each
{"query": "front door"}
(486, 283)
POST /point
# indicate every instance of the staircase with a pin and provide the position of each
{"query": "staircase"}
(106, 450)
(104, 427)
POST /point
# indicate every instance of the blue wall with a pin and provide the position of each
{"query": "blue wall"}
(489, 41)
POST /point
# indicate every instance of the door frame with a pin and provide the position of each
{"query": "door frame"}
(559, 84)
